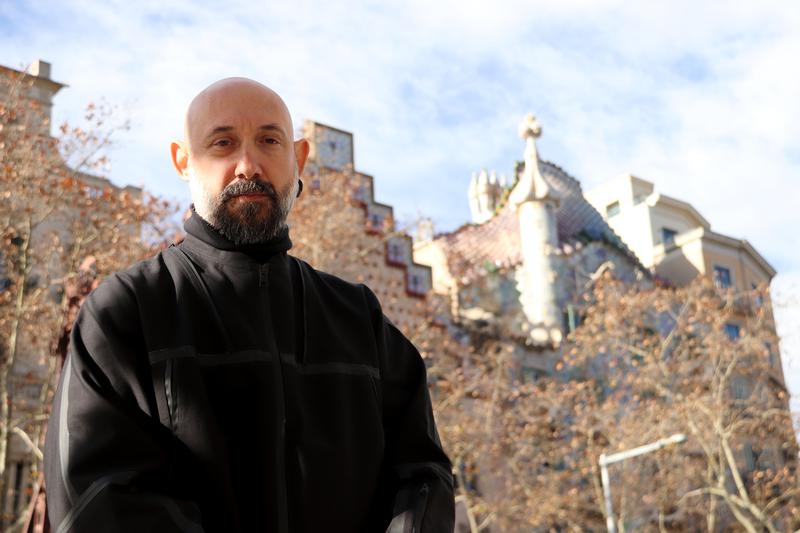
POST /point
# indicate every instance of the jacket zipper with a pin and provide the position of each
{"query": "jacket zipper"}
(263, 284)
(419, 511)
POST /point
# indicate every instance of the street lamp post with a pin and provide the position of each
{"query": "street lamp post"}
(606, 460)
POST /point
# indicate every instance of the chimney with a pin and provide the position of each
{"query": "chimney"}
(40, 69)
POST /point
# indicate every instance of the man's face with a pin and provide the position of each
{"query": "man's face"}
(242, 164)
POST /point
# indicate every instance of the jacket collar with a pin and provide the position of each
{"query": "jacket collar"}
(202, 237)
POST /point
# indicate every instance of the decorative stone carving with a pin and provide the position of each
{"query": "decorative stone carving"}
(485, 193)
(531, 185)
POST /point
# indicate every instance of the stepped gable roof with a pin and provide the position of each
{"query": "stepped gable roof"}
(473, 248)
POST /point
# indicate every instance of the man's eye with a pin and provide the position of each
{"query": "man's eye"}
(270, 140)
(222, 143)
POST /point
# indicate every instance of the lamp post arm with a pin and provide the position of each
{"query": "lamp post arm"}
(641, 450)
(606, 460)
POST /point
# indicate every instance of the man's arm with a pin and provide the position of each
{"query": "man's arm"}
(424, 499)
(106, 457)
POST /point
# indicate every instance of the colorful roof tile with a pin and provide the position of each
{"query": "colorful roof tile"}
(473, 248)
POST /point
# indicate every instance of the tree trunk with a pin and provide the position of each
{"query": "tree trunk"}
(8, 363)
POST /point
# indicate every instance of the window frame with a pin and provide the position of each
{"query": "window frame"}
(719, 282)
(730, 328)
(668, 236)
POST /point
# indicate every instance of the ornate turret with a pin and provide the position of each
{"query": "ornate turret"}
(536, 202)
(424, 231)
(485, 193)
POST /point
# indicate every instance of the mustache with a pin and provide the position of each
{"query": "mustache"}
(240, 187)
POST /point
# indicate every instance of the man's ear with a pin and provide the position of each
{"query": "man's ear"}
(180, 159)
(301, 148)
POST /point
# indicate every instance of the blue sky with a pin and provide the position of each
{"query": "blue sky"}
(699, 97)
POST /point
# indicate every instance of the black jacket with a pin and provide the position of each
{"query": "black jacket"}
(220, 389)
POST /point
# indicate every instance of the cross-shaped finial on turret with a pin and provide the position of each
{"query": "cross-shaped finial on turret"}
(529, 127)
(531, 185)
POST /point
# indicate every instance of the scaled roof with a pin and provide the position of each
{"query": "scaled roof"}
(496, 243)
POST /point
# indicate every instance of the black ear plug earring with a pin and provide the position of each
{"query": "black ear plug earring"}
(300, 187)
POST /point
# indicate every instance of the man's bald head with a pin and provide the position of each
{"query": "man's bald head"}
(213, 99)
(240, 159)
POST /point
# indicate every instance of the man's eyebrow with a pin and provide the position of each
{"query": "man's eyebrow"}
(220, 129)
(272, 127)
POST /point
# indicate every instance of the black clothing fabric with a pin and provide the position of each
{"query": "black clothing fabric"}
(217, 389)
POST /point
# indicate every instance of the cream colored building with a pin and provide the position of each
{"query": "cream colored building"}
(673, 240)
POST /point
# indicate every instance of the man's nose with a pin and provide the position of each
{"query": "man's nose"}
(247, 166)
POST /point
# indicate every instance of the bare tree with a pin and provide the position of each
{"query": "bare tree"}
(647, 362)
(698, 360)
(61, 225)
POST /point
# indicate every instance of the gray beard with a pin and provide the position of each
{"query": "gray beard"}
(254, 222)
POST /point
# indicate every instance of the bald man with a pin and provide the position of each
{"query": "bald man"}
(224, 385)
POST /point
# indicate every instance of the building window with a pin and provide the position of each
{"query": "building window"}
(770, 355)
(750, 458)
(415, 285)
(18, 487)
(571, 319)
(375, 222)
(5, 282)
(759, 298)
(732, 331)
(470, 476)
(396, 253)
(507, 294)
(612, 209)
(530, 375)
(740, 388)
(668, 236)
(361, 193)
(722, 277)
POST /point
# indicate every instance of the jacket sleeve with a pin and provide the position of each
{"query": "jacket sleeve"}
(106, 454)
(422, 473)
